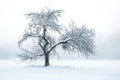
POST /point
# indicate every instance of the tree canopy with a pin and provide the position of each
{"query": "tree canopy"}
(40, 28)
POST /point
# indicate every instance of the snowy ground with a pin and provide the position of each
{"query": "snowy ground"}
(61, 70)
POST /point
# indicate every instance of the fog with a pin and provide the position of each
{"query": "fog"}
(102, 15)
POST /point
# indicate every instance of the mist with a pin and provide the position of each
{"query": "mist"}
(103, 16)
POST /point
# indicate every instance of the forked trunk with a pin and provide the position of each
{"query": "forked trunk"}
(47, 60)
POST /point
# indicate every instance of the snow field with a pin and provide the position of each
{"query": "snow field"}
(61, 70)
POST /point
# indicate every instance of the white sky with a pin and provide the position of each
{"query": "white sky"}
(102, 15)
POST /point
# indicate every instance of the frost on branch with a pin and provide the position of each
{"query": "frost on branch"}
(79, 39)
(46, 18)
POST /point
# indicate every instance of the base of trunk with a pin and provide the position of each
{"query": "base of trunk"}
(47, 60)
(47, 64)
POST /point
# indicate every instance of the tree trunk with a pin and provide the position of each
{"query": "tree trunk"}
(47, 60)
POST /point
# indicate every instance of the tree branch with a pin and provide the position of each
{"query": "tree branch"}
(65, 41)
(61, 42)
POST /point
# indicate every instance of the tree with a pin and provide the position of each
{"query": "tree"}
(42, 25)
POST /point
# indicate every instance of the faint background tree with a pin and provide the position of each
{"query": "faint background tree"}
(40, 28)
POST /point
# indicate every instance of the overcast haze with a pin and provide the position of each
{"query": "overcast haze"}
(101, 15)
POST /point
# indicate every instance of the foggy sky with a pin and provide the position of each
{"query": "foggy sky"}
(102, 15)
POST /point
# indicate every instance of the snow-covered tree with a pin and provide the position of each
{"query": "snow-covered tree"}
(40, 28)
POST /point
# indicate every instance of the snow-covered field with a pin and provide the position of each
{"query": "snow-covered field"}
(61, 70)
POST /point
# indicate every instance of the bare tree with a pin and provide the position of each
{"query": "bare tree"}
(42, 25)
